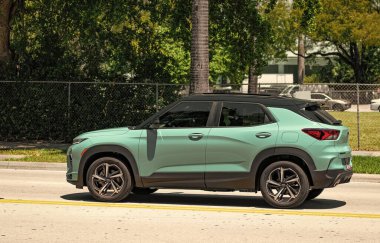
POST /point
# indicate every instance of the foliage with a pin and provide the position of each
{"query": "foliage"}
(94, 41)
(35, 114)
(349, 30)
(245, 29)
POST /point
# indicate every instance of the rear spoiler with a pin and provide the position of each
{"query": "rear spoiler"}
(314, 106)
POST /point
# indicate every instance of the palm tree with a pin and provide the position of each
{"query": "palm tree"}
(301, 59)
(199, 47)
(7, 12)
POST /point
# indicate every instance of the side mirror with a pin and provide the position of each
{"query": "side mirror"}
(155, 124)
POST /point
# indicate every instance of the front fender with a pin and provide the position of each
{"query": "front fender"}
(92, 152)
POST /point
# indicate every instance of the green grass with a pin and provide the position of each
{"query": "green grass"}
(366, 164)
(369, 129)
(37, 155)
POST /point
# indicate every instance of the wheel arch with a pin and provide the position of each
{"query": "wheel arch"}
(268, 156)
(115, 151)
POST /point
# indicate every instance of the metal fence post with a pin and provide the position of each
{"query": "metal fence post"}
(358, 113)
(68, 110)
(156, 97)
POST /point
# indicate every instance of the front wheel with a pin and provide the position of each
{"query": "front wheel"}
(109, 180)
(314, 193)
(284, 184)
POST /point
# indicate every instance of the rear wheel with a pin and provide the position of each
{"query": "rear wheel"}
(314, 193)
(143, 191)
(109, 180)
(284, 184)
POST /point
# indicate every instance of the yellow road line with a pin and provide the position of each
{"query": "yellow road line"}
(194, 208)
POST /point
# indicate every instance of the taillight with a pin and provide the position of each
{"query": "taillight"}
(322, 134)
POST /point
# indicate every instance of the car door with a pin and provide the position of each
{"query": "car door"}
(244, 130)
(172, 151)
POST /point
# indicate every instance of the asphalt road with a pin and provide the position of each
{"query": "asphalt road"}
(39, 206)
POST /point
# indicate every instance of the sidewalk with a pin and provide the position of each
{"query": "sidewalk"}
(366, 153)
(32, 165)
(33, 145)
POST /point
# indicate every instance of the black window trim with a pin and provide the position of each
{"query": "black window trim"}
(264, 109)
(159, 114)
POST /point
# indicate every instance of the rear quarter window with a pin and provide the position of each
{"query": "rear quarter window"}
(315, 113)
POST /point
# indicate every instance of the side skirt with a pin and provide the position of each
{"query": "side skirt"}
(212, 181)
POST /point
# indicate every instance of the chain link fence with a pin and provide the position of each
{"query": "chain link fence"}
(59, 111)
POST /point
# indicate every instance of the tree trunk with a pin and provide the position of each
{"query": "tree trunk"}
(301, 59)
(199, 47)
(5, 11)
(252, 80)
(358, 65)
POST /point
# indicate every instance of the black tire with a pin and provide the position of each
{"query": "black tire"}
(143, 191)
(115, 186)
(338, 107)
(288, 192)
(314, 193)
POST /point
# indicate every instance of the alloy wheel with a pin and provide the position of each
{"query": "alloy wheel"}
(283, 184)
(107, 180)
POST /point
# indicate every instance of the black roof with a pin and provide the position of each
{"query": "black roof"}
(267, 100)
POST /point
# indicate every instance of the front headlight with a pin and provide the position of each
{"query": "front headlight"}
(78, 140)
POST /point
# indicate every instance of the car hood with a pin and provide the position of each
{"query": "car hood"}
(376, 100)
(105, 132)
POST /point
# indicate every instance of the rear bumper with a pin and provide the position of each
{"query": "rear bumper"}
(330, 178)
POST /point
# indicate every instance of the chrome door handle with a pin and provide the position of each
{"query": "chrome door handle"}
(263, 135)
(196, 136)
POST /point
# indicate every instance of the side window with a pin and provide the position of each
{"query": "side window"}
(186, 114)
(318, 96)
(242, 114)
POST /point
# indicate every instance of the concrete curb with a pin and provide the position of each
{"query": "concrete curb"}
(62, 167)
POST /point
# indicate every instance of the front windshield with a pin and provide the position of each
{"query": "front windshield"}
(286, 89)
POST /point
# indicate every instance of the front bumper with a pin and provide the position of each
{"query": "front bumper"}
(71, 175)
(330, 178)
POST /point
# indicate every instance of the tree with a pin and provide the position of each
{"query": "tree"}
(305, 12)
(7, 12)
(349, 30)
(249, 30)
(199, 70)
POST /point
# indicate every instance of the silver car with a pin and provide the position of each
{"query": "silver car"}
(375, 105)
(328, 103)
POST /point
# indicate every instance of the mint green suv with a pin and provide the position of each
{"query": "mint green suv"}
(288, 149)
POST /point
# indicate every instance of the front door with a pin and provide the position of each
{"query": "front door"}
(172, 151)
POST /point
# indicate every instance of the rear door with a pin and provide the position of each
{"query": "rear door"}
(244, 130)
